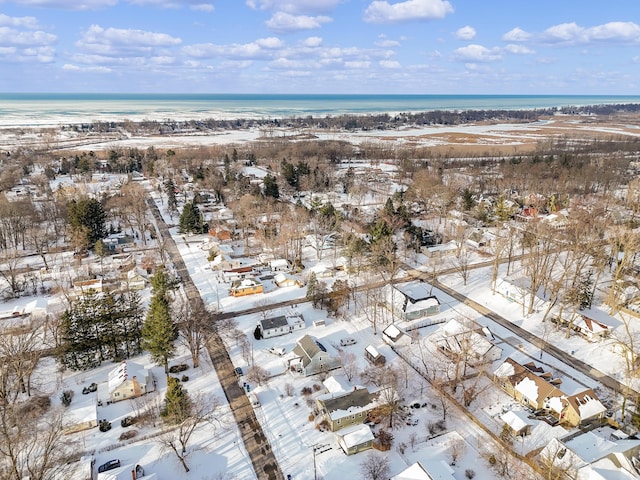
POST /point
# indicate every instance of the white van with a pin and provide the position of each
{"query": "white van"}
(253, 399)
(346, 341)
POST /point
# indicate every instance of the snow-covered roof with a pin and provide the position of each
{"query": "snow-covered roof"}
(516, 419)
(124, 371)
(356, 435)
(414, 472)
(372, 351)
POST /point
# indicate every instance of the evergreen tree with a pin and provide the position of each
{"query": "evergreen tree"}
(177, 403)
(99, 327)
(312, 288)
(159, 331)
(271, 187)
(191, 219)
(172, 201)
(88, 215)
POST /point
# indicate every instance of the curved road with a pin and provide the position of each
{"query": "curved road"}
(264, 462)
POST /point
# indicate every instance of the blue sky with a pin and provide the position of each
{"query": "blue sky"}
(321, 46)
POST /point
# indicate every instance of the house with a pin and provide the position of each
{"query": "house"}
(344, 409)
(128, 380)
(355, 439)
(126, 472)
(517, 421)
(280, 265)
(590, 328)
(526, 384)
(392, 335)
(582, 407)
(411, 300)
(80, 287)
(602, 453)
(247, 286)
(518, 290)
(238, 273)
(283, 280)
(439, 468)
(533, 387)
(309, 357)
(441, 250)
(281, 325)
(467, 340)
(374, 356)
(134, 281)
(80, 418)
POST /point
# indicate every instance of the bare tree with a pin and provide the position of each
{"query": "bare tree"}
(203, 410)
(193, 324)
(31, 444)
(349, 364)
(375, 467)
(258, 375)
(19, 357)
(136, 207)
(463, 263)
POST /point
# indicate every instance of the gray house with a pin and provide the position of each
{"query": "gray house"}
(309, 357)
(411, 300)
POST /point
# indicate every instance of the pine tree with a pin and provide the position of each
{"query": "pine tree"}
(177, 403)
(271, 187)
(159, 331)
(89, 215)
(190, 219)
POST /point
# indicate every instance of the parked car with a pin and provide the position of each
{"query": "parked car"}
(277, 351)
(347, 341)
(110, 465)
(238, 371)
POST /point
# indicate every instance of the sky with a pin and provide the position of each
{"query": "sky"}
(321, 46)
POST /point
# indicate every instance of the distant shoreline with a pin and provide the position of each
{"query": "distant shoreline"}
(39, 110)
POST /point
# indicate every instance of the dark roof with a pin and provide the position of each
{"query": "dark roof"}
(355, 398)
(274, 322)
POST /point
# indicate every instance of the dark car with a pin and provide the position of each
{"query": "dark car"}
(238, 371)
(110, 465)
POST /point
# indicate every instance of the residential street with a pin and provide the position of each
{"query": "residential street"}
(255, 441)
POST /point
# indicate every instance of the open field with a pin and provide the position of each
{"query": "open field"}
(473, 139)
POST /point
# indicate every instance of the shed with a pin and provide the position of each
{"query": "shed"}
(395, 337)
(518, 422)
(373, 356)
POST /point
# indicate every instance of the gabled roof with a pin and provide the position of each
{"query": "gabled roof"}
(125, 371)
(586, 404)
(344, 403)
(307, 347)
(274, 322)
(416, 291)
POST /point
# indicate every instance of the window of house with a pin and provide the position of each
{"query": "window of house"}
(339, 421)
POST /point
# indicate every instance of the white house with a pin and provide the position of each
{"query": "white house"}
(281, 325)
(129, 380)
(468, 339)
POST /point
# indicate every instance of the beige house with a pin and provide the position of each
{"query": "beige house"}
(129, 380)
(533, 386)
(355, 439)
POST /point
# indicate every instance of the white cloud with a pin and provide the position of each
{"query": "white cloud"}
(234, 51)
(386, 42)
(24, 22)
(516, 35)
(11, 36)
(76, 68)
(270, 42)
(518, 49)
(294, 7)
(312, 42)
(285, 22)
(477, 53)
(381, 11)
(466, 33)
(203, 7)
(124, 43)
(389, 64)
(357, 64)
(572, 33)
(69, 4)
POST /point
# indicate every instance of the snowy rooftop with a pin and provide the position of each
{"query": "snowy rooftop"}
(356, 435)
